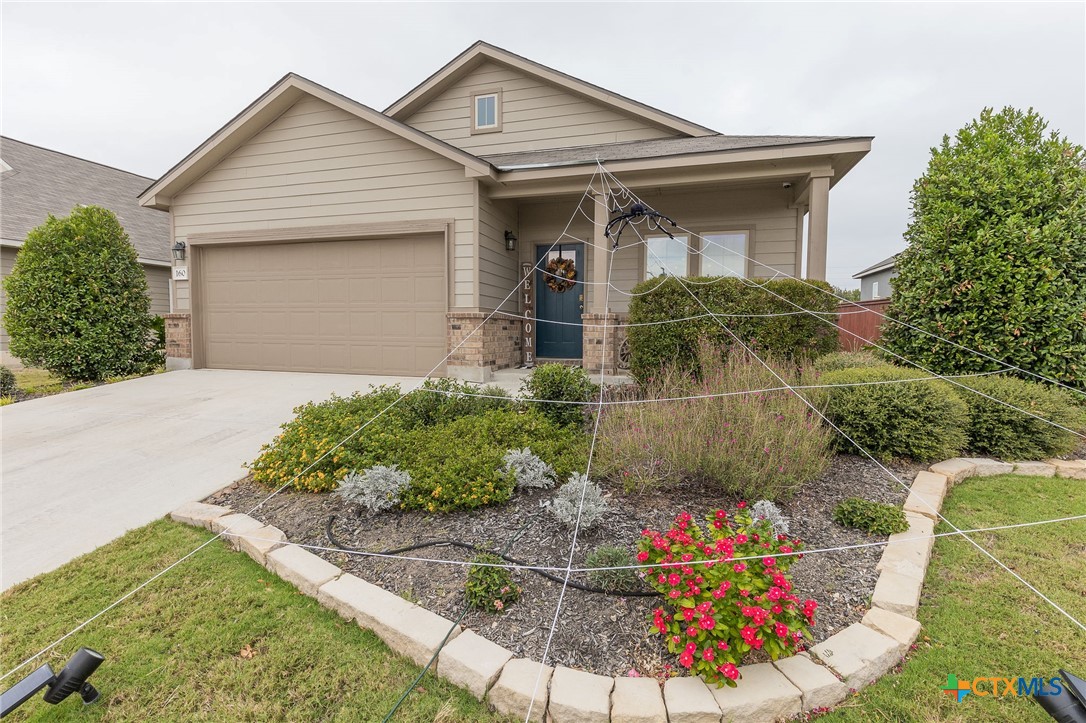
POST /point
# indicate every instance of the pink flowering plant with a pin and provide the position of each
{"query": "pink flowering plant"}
(726, 592)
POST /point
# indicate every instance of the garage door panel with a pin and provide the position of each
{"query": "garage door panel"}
(374, 306)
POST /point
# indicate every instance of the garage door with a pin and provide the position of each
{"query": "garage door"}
(365, 307)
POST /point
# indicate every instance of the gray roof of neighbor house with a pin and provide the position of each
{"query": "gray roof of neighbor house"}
(656, 148)
(880, 266)
(42, 182)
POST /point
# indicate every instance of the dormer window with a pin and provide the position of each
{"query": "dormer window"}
(486, 112)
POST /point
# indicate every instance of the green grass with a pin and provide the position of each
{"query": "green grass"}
(41, 383)
(981, 622)
(174, 651)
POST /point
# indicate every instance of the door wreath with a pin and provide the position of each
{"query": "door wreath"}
(560, 274)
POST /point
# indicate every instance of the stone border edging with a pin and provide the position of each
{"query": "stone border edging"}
(821, 678)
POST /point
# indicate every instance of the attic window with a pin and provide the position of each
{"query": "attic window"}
(486, 111)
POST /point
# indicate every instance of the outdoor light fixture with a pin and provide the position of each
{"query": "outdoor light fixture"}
(510, 241)
(73, 678)
(179, 251)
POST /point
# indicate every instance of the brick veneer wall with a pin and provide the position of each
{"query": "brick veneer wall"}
(496, 345)
(596, 352)
(178, 341)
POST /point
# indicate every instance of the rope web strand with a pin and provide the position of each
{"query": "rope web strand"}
(516, 288)
(873, 459)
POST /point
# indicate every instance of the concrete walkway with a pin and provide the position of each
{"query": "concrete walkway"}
(82, 468)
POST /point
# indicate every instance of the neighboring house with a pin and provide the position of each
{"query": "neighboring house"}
(323, 235)
(36, 182)
(875, 280)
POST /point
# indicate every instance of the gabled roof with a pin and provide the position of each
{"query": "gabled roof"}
(654, 148)
(37, 182)
(880, 266)
(268, 107)
(482, 52)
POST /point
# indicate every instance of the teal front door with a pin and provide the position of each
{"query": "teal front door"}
(561, 300)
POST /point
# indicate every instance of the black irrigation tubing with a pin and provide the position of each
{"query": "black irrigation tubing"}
(475, 548)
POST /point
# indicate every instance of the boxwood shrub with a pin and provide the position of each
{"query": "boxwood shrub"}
(921, 420)
(835, 361)
(996, 429)
(792, 336)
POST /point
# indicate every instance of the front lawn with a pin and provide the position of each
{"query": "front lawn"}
(981, 622)
(218, 638)
(34, 383)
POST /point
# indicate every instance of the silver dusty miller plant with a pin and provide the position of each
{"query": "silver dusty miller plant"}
(377, 488)
(766, 510)
(529, 470)
(569, 498)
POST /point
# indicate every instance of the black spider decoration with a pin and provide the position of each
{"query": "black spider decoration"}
(637, 212)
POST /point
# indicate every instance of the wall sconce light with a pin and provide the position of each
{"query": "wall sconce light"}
(179, 251)
(510, 241)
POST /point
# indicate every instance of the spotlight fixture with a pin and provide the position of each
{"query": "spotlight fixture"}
(73, 678)
(510, 241)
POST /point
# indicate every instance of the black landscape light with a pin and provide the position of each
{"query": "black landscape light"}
(73, 678)
(1067, 706)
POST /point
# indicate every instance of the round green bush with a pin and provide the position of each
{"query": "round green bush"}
(7, 382)
(835, 361)
(921, 420)
(874, 517)
(561, 383)
(77, 302)
(996, 429)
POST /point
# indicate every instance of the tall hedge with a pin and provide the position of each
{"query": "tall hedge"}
(77, 300)
(794, 336)
(996, 257)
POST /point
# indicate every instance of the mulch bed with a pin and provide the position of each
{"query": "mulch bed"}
(599, 633)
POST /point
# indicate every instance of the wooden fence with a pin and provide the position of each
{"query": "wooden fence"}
(866, 324)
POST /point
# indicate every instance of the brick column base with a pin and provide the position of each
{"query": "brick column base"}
(178, 341)
(598, 354)
(494, 346)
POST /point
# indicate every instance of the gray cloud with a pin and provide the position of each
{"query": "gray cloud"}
(138, 86)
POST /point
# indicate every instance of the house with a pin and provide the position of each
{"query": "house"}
(323, 235)
(875, 280)
(36, 182)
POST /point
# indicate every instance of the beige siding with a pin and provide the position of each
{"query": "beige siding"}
(158, 287)
(534, 115)
(7, 261)
(763, 211)
(319, 165)
(498, 269)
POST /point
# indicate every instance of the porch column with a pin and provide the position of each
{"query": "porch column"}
(818, 214)
(599, 332)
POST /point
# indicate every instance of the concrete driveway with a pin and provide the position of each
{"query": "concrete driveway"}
(82, 468)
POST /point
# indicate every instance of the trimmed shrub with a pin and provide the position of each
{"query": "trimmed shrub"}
(874, 517)
(459, 465)
(796, 336)
(921, 420)
(835, 361)
(996, 429)
(377, 489)
(558, 382)
(443, 400)
(490, 588)
(579, 493)
(7, 382)
(760, 445)
(77, 302)
(996, 253)
(607, 556)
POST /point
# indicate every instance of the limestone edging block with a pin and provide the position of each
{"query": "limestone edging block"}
(926, 494)
(955, 470)
(899, 627)
(818, 685)
(230, 526)
(1035, 469)
(859, 654)
(689, 700)
(763, 695)
(472, 662)
(301, 568)
(637, 700)
(258, 543)
(1069, 468)
(897, 593)
(577, 696)
(985, 467)
(521, 680)
(198, 514)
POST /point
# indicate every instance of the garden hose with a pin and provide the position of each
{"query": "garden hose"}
(475, 548)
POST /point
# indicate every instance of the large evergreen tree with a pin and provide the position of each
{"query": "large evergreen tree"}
(77, 300)
(996, 256)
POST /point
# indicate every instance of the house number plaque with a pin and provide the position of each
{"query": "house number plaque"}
(528, 324)
(180, 273)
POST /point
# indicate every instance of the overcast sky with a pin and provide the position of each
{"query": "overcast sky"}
(138, 86)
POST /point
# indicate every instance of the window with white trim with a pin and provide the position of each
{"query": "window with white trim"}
(874, 289)
(724, 253)
(666, 256)
(486, 112)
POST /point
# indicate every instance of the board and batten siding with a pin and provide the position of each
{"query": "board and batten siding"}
(319, 165)
(535, 115)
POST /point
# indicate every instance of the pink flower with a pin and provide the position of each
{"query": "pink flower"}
(740, 505)
(643, 556)
(708, 654)
(768, 561)
(632, 673)
(498, 604)
(739, 566)
(729, 671)
(686, 659)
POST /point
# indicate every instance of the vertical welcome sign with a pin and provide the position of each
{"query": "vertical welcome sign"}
(527, 332)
